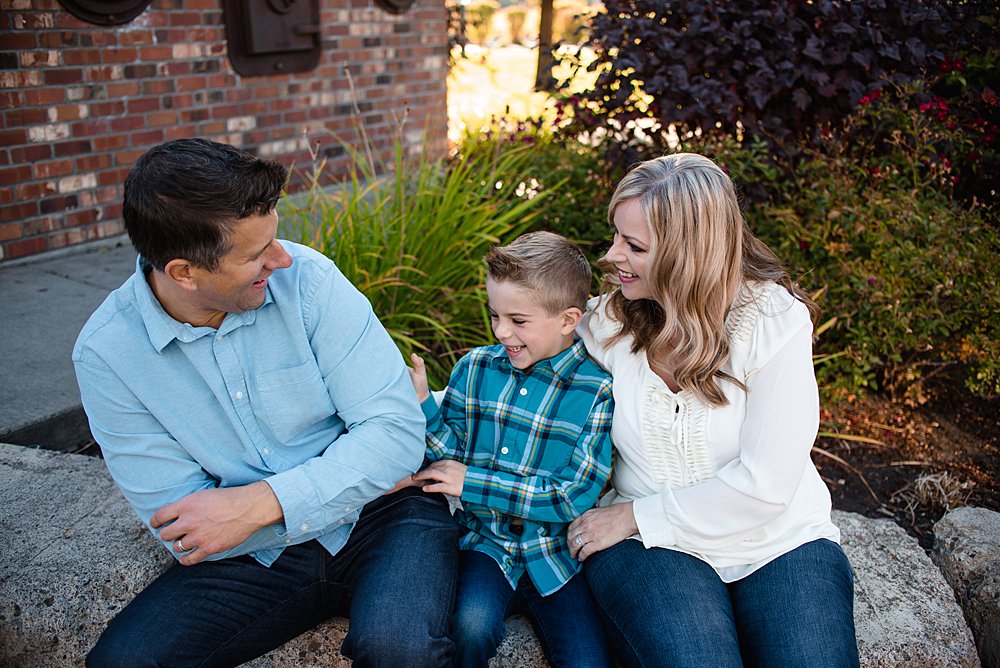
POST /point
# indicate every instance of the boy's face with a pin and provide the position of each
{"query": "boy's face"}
(528, 332)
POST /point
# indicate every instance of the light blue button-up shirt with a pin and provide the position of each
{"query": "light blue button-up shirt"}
(306, 392)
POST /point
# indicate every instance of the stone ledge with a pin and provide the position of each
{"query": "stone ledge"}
(72, 554)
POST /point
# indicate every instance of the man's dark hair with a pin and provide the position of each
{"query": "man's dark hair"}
(183, 197)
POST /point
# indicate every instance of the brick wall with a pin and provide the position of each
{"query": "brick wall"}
(81, 102)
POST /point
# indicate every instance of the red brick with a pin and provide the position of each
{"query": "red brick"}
(119, 55)
(148, 138)
(55, 39)
(78, 218)
(33, 190)
(10, 99)
(13, 137)
(47, 170)
(143, 104)
(157, 87)
(126, 123)
(25, 116)
(121, 158)
(16, 249)
(93, 163)
(185, 19)
(66, 148)
(123, 89)
(110, 108)
(67, 20)
(173, 68)
(14, 175)
(135, 37)
(62, 77)
(162, 118)
(109, 143)
(69, 112)
(10, 231)
(153, 53)
(81, 56)
(31, 153)
(190, 83)
(90, 128)
(39, 226)
(18, 40)
(44, 96)
(18, 212)
(100, 38)
(179, 132)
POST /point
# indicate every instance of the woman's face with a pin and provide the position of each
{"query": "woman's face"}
(630, 251)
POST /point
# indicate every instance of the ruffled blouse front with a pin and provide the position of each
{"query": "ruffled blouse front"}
(733, 486)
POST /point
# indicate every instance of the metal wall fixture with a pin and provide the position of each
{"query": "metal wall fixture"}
(105, 12)
(272, 36)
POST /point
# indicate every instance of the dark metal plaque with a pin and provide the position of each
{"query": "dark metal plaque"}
(272, 36)
(105, 12)
(395, 6)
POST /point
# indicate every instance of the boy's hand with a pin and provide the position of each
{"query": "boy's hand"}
(445, 476)
(418, 376)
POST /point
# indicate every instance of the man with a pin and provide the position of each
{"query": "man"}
(253, 411)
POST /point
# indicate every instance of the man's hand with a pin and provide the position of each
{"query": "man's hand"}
(408, 481)
(601, 528)
(418, 376)
(215, 520)
(444, 476)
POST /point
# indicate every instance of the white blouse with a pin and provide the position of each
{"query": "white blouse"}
(733, 486)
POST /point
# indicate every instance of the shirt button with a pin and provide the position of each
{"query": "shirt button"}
(304, 527)
(523, 391)
(340, 521)
(239, 395)
(267, 451)
(504, 450)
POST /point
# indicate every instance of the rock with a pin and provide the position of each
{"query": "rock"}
(72, 554)
(905, 612)
(967, 550)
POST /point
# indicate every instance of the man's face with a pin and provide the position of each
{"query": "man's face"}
(238, 283)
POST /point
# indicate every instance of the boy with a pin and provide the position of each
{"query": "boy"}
(523, 439)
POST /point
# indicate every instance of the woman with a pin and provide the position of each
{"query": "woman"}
(715, 547)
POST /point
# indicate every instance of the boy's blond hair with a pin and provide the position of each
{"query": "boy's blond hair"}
(549, 265)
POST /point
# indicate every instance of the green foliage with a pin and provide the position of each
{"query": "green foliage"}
(761, 68)
(907, 273)
(576, 179)
(411, 236)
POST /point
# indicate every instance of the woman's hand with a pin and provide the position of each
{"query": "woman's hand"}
(600, 528)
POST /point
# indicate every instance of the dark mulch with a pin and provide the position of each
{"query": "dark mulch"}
(936, 451)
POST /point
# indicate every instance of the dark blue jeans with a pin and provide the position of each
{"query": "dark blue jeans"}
(395, 579)
(667, 608)
(566, 622)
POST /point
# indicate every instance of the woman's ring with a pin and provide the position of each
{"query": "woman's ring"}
(578, 540)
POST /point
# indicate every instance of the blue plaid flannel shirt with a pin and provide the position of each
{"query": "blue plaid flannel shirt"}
(537, 444)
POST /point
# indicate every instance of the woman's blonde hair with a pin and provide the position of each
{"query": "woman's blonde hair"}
(701, 254)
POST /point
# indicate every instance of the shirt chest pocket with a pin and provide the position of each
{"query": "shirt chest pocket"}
(293, 399)
(544, 455)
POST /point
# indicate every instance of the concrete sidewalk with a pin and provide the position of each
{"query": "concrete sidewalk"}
(43, 306)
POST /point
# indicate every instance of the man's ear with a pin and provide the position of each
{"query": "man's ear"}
(571, 318)
(181, 273)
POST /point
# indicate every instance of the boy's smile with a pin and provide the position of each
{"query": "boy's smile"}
(526, 330)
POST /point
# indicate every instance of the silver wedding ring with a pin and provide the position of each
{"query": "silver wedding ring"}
(578, 540)
(180, 546)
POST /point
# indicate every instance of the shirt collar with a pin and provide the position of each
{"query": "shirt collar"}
(561, 366)
(162, 329)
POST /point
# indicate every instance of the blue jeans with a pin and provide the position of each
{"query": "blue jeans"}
(566, 622)
(667, 608)
(395, 579)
